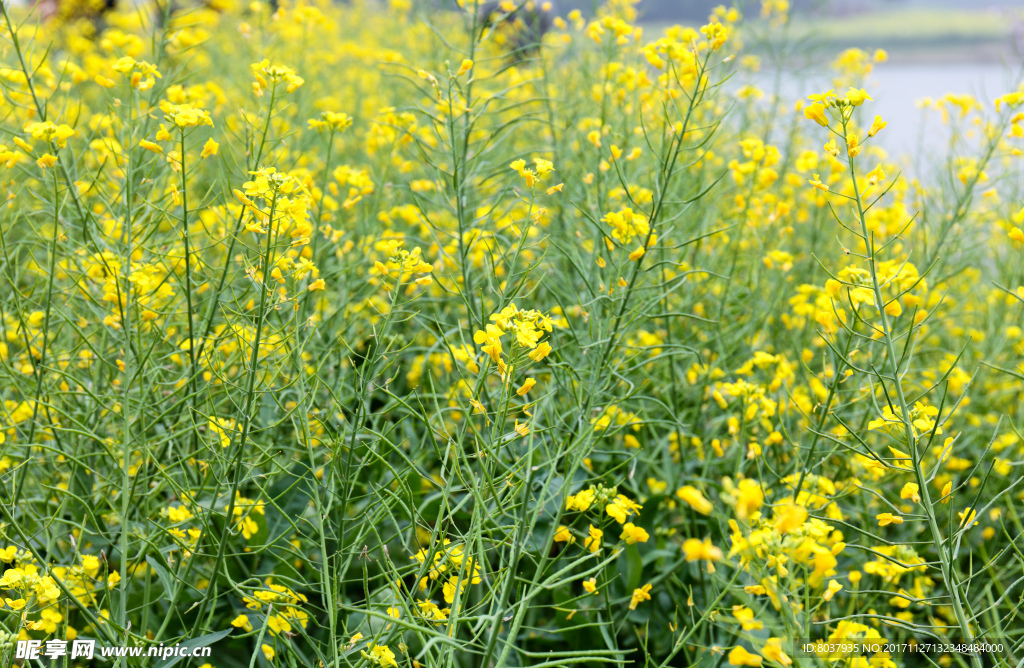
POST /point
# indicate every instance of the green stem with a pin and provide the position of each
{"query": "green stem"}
(193, 371)
(947, 567)
(250, 393)
(126, 446)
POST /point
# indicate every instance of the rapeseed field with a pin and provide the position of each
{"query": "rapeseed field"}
(388, 335)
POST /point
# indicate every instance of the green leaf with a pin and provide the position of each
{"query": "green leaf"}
(162, 574)
(632, 568)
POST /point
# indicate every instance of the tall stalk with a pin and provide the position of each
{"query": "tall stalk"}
(948, 569)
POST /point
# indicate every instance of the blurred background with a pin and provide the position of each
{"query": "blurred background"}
(934, 47)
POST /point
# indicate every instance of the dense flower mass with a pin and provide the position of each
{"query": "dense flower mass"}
(348, 334)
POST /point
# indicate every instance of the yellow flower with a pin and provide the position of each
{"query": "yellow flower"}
(466, 66)
(877, 126)
(526, 386)
(209, 148)
(626, 225)
(749, 498)
(657, 486)
(141, 75)
(695, 550)
(222, 428)
(833, 589)
(46, 161)
(179, 514)
(581, 500)
(528, 174)
(746, 618)
(542, 350)
(381, 656)
(772, 651)
(268, 652)
(278, 625)
(816, 113)
(885, 519)
(330, 120)
(185, 115)
(716, 34)
(856, 96)
(789, 517)
(543, 167)
(1013, 99)
(692, 496)
(852, 145)
(242, 622)
(633, 534)
(967, 516)
(590, 586)
(741, 657)
(593, 540)
(639, 596)
(816, 182)
(947, 490)
(563, 535)
(268, 76)
(151, 146)
(911, 491)
(876, 175)
(828, 97)
(621, 508)
(58, 134)
(450, 587)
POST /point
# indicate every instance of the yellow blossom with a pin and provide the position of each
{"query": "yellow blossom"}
(639, 596)
(910, 491)
(885, 519)
(633, 534)
(693, 498)
(738, 656)
(209, 148)
(833, 589)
